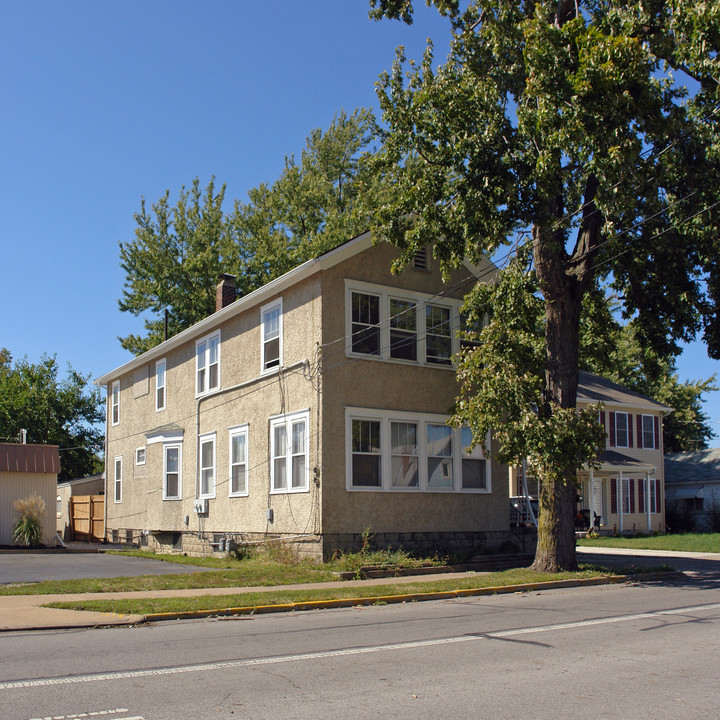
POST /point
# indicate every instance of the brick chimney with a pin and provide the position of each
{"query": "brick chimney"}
(225, 292)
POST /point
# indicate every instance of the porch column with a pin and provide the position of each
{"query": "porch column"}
(647, 500)
(620, 500)
(591, 505)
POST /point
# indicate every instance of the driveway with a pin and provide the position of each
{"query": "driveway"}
(35, 567)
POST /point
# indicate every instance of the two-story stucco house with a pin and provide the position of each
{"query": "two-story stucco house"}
(313, 409)
(625, 494)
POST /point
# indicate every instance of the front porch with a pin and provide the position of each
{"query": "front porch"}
(622, 496)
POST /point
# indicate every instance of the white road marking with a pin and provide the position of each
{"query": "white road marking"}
(77, 716)
(252, 662)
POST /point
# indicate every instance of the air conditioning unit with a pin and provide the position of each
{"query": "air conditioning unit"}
(201, 506)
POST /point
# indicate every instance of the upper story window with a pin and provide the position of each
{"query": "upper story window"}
(115, 403)
(438, 334)
(160, 374)
(207, 358)
(271, 352)
(648, 427)
(621, 429)
(403, 329)
(402, 326)
(365, 327)
(408, 452)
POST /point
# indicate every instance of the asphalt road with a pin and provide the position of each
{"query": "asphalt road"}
(35, 567)
(635, 651)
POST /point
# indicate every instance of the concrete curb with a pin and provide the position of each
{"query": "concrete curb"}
(410, 597)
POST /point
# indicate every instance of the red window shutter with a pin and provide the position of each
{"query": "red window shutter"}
(612, 429)
(657, 432)
(641, 496)
(640, 436)
(658, 499)
(632, 494)
(613, 495)
(630, 430)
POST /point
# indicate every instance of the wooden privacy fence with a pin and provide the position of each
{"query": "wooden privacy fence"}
(87, 513)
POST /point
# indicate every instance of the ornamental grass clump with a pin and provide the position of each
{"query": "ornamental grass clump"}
(28, 529)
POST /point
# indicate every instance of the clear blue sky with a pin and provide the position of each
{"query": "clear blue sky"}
(106, 102)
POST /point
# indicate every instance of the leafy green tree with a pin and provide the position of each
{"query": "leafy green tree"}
(567, 122)
(59, 412)
(178, 252)
(174, 262)
(315, 205)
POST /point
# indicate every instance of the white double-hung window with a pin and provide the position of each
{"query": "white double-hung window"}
(410, 452)
(239, 461)
(289, 446)
(160, 368)
(207, 363)
(207, 466)
(172, 471)
(118, 479)
(271, 351)
(115, 403)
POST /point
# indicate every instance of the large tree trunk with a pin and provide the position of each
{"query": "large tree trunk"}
(556, 524)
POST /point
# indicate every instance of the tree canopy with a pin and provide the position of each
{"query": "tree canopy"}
(590, 131)
(64, 412)
(179, 251)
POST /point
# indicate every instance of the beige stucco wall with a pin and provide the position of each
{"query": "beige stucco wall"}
(289, 390)
(407, 387)
(17, 486)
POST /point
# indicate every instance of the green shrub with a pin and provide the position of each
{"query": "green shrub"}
(28, 529)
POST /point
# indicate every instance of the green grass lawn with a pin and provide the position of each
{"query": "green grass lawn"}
(689, 542)
(229, 573)
(144, 606)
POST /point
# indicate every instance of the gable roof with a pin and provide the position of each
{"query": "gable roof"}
(327, 260)
(17, 458)
(693, 468)
(594, 388)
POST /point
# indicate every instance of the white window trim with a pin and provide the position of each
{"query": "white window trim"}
(166, 447)
(422, 420)
(202, 440)
(627, 429)
(162, 363)
(421, 300)
(115, 403)
(287, 421)
(651, 418)
(206, 359)
(265, 308)
(144, 455)
(233, 432)
(117, 481)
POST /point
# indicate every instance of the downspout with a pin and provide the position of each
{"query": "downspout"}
(105, 448)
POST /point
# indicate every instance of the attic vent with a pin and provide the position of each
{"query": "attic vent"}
(420, 261)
